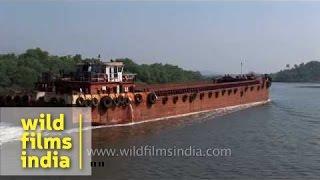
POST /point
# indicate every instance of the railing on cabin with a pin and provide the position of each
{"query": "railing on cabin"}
(95, 77)
(45, 86)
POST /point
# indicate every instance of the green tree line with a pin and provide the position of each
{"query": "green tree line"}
(309, 72)
(160, 73)
(23, 70)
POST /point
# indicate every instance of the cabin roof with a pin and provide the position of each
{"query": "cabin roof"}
(120, 64)
(108, 64)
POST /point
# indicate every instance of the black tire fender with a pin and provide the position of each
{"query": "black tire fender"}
(95, 102)
(80, 101)
(138, 98)
(62, 102)
(106, 101)
(54, 101)
(87, 103)
(175, 99)
(164, 100)
(152, 98)
(116, 101)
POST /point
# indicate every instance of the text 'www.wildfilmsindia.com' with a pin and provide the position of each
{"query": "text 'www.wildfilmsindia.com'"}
(152, 151)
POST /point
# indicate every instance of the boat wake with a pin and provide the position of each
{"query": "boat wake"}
(9, 133)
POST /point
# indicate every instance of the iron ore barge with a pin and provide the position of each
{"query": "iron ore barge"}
(115, 98)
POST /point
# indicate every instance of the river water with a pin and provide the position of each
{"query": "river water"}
(278, 140)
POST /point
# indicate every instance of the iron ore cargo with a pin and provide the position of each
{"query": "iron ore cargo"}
(115, 98)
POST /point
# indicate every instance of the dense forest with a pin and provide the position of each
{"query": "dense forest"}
(309, 72)
(22, 71)
(159, 73)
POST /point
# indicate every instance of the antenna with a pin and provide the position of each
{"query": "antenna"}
(99, 57)
(241, 67)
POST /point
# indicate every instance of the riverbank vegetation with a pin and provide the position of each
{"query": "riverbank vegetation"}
(309, 72)
(21, 71)
(160, 73)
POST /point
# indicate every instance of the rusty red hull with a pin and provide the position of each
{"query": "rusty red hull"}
(205, 100)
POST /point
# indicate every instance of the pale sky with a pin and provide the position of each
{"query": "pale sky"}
(215, 36)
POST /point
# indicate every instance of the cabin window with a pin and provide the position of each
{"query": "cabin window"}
(85, 68)
(126, 89)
